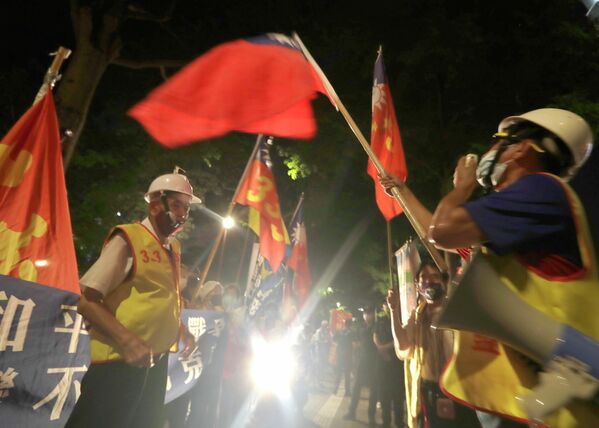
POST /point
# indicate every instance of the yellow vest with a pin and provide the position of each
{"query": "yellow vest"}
(487, 375)
(148, 302)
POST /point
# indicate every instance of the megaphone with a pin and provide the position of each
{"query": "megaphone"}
(481, 303)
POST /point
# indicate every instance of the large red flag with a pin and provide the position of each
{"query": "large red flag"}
(385, 139)
(259, 192)
(261, 85)
(298, 261)
(44, 346)
(36, 240)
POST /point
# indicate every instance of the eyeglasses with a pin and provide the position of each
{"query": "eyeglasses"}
(510, 139)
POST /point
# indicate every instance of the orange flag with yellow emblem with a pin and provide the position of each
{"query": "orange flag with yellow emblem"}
(259, 192)
(385, 139)
(36, 240)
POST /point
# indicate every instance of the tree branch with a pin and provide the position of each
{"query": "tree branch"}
(135, 11)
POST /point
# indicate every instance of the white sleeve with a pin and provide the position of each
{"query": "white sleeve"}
(111, 268)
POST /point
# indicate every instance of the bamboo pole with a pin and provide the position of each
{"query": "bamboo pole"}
(435, 254)
(52, 76)
(221, 233)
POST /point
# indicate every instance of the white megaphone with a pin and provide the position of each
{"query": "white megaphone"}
(482, 304)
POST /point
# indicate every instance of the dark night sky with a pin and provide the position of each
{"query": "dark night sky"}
(343, 37)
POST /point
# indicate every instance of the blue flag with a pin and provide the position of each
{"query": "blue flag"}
(267, 288)
(184, 373)
(44, 353)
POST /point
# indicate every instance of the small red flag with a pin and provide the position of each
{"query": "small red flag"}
(261, 85)
(298, 261)
(259, 192)
(385, 140)
(36, 239)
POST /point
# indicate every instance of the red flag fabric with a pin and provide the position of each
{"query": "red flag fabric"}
(385, 140)
(298, 261)
(261, 85)
(36, 239)
(259, 192)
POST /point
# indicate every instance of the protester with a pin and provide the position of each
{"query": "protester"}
(209, 296)
(130, 297)
(536, 238)
(366, 369)
(235, 382)
(321, 342)
(535, 232)
(426, 351)
(344, 341)
(390, 372)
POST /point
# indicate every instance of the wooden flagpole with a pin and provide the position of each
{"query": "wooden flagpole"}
(435, 254)
(221, 233)
(52, 75)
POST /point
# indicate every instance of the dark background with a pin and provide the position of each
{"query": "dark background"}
(456, 68)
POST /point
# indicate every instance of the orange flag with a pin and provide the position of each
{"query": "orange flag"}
(385, 140)
(259, 192)
(36, 240)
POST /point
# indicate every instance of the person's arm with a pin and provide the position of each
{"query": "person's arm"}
(403, 338)
(419, 211)
(136, 351)
(452, 226)
(383, 347)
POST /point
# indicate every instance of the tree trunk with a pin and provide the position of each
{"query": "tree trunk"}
(97, 46)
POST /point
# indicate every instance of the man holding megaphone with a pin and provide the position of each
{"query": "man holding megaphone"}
(535, 237)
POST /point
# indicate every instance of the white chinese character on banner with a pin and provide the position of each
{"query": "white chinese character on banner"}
(6, 381)
(192, 366)
(6, 323)
(61, 390)
(76, 329)
(196, 326)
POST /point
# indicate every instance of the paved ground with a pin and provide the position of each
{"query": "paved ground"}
(326, 410)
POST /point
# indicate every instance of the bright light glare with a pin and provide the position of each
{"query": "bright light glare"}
(273, 366)
(41, 263)
(338, 304)
(228, 222)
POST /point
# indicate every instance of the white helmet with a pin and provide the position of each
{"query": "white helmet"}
(174, 182)
(572, 129)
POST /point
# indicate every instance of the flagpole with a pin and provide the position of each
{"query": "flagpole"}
(435, 254)
(221, 233)
(242, 257)
(297, 207)
(52, 76)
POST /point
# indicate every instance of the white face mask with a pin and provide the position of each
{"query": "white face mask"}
(482, 170)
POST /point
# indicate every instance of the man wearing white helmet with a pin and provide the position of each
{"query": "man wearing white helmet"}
(131, 299)
(536, 237)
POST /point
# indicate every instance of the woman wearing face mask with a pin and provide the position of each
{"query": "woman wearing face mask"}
(426, 351)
